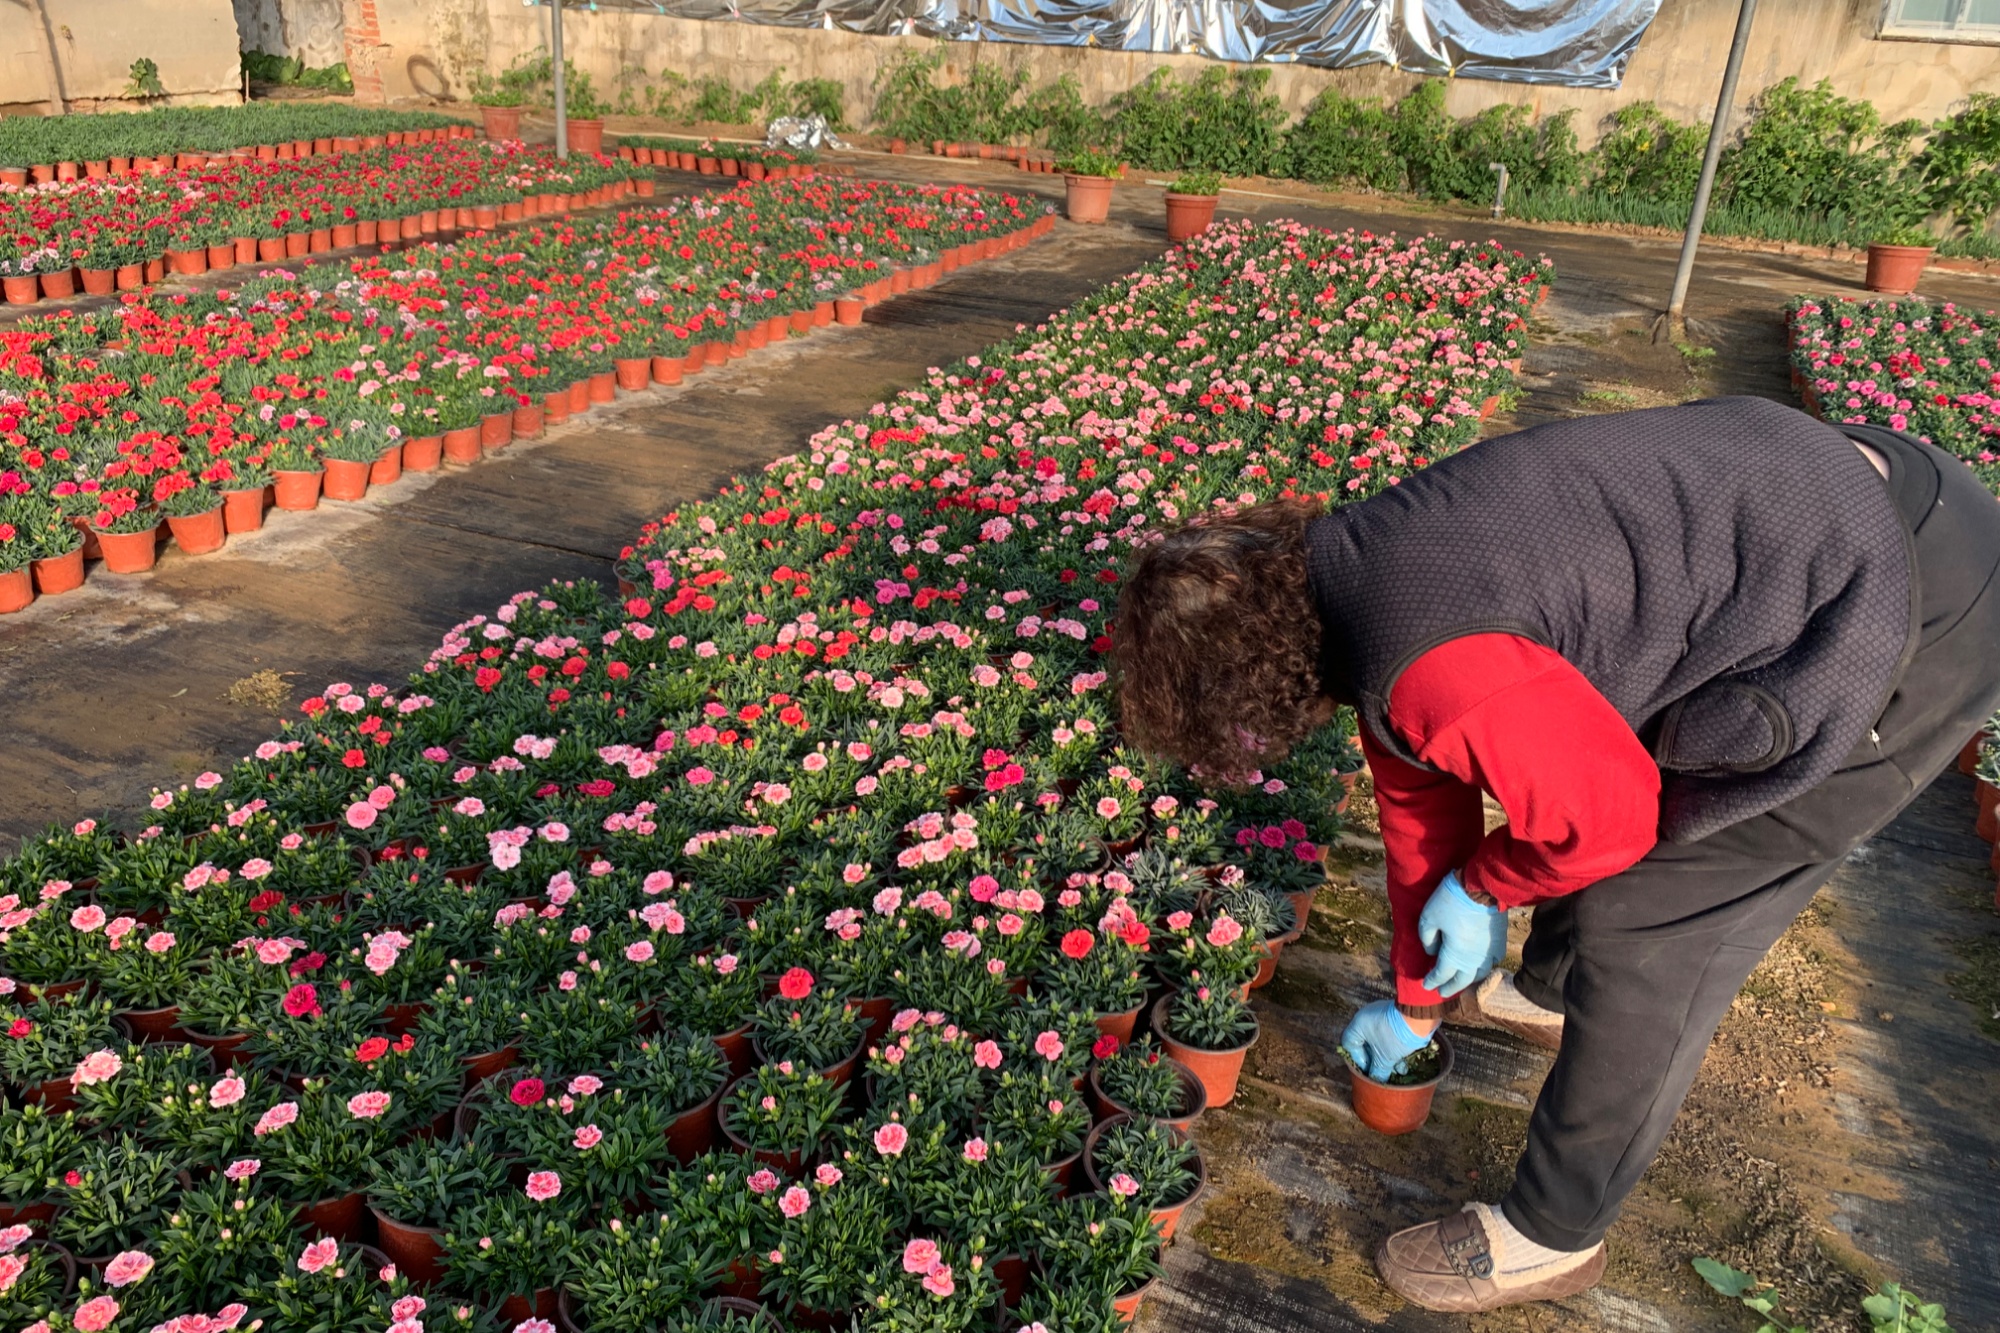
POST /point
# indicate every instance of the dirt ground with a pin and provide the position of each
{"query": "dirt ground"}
(1843, 1130)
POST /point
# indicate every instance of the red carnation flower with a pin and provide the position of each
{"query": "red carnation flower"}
(1077, 943)
(796, 984)
(1104, 1047)
(266, 900)
(302, 1001)
(20, 1028)
(526, 1092)
(372, 1050)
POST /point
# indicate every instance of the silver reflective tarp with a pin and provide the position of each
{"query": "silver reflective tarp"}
(1581, 43)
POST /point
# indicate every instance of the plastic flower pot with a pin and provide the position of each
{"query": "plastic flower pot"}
(633, 373)
(270, 248)
(540, 1305)
(603, 387)
(1120, 1025)
(801, 322)
(156, 268)
(130, 552)
(346, 479)
(59, 286)
(198, 534)
(847, 310)
(1986, 797)
(756, 336)
(585, 136)
(131, 277)
(1895, 268)
(339, 1217)
(243, 510)
(296, 490)
(1968, 758)
(822, 314)
(38, 1210)
(187, 263)
(666, 370)
(59, 574)
(160, 1025)
(1127, 1305)
(496, 430)
(298, 244)
(416, 1251)
(246, 249)
(387, 470)
(55, 1096)
(579, 397)
(422, 454)
(1389, 1109)
(555, 409)
(1063, 1171)
(1194, 1098)
(1168, 1215)
(99, 281)
(479, 1068)
(693, 1131)
(1217, 1070)
(222, 256)
(527, 422)
(1188, 215)
(839, 1073)
(22, 290)
(485, 215)
(344, 235)
(1267, 966)
(17, 590)
(501, 122)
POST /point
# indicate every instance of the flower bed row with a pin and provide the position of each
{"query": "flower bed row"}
(349, 373)
(47, 141)
(1907, 365)
(817, 838)
(101, 234)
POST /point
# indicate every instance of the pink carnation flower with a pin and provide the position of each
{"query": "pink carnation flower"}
(128, 1267)
(544, 1185)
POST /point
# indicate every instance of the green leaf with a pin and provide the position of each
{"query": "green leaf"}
(1727, 1280)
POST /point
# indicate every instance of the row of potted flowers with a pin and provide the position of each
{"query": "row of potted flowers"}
(493, 359)
(850, 719)
(710, 158)
(1932, 370)
(102, 235)
(43, 144)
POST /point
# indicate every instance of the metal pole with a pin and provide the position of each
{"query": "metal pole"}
(1718, 131)
(562, 100)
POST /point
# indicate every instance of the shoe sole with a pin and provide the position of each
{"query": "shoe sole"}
(1433, 1294)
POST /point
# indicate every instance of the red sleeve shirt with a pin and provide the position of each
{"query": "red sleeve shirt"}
(1502, 714)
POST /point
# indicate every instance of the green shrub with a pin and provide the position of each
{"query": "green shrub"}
(1811, 150)
(1645, 152)
(1341, 141)
(1959, 169)
(1223, 121)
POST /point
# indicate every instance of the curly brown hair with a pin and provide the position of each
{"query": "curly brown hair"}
(1217, 641)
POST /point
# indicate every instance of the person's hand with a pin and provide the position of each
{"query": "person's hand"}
(1378, 1039)
(1468, 939)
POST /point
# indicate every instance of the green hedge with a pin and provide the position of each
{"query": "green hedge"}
(1807, 164)
(31, 140)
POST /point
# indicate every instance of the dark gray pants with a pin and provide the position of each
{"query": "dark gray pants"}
(1644, 965)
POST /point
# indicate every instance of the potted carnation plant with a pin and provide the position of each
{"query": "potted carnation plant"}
(807, 1027)
(1088, 175)
(516, 1248)
(1402, 1102)
(499, 102)
(414, 1192)
(1209, 1031)
(1099, 1259)
(1141, 1080)
(1147, 1162)
(780, 1113)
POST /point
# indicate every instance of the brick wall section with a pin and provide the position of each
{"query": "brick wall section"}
(363, 40)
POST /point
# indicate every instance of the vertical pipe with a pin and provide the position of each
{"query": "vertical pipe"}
(562, 96)
(1718, 131)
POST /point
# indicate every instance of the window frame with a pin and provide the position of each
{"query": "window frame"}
(1892, 27)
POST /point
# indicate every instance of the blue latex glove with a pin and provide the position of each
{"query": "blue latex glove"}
(1468, 939)
(1379, 1040)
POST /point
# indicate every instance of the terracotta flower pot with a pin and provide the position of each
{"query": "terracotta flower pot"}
(848, 310)
(161, 1025)
(479, 1068)
(270, 248)
(59, 574)
(198, 534)
(1894, 269)
(693, 1132)
(1398, 1110)
(243, 510)
(585, 136)
(59, 286)
(297, 490)
(99, 281)
(1217, 1070)
(130, 552)
(298, 244)
(1194, 1098)
(1188, 215)
(527, 423)
(422, 454)
(1167, 1215)
(222, 256)
(634, 373)
(346, 479)
(501, 122)
(602, 387)
(666, 369)
(1987, 802)
(541, 1305)
(344, 235)
(17, 590)
(418, 1252)
(246, 249)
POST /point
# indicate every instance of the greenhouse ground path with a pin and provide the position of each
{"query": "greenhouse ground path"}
(1843, 1124)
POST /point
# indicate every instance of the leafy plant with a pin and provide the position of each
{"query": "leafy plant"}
(1159, 1162)
(1139, 1077)
(1197, 182)
(143, 80)
(422, 1184)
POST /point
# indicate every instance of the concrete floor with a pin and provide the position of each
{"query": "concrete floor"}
(124, 685)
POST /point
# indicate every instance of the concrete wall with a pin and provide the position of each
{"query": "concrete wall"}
(311, 29)
(95, 42)
(432, 47)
